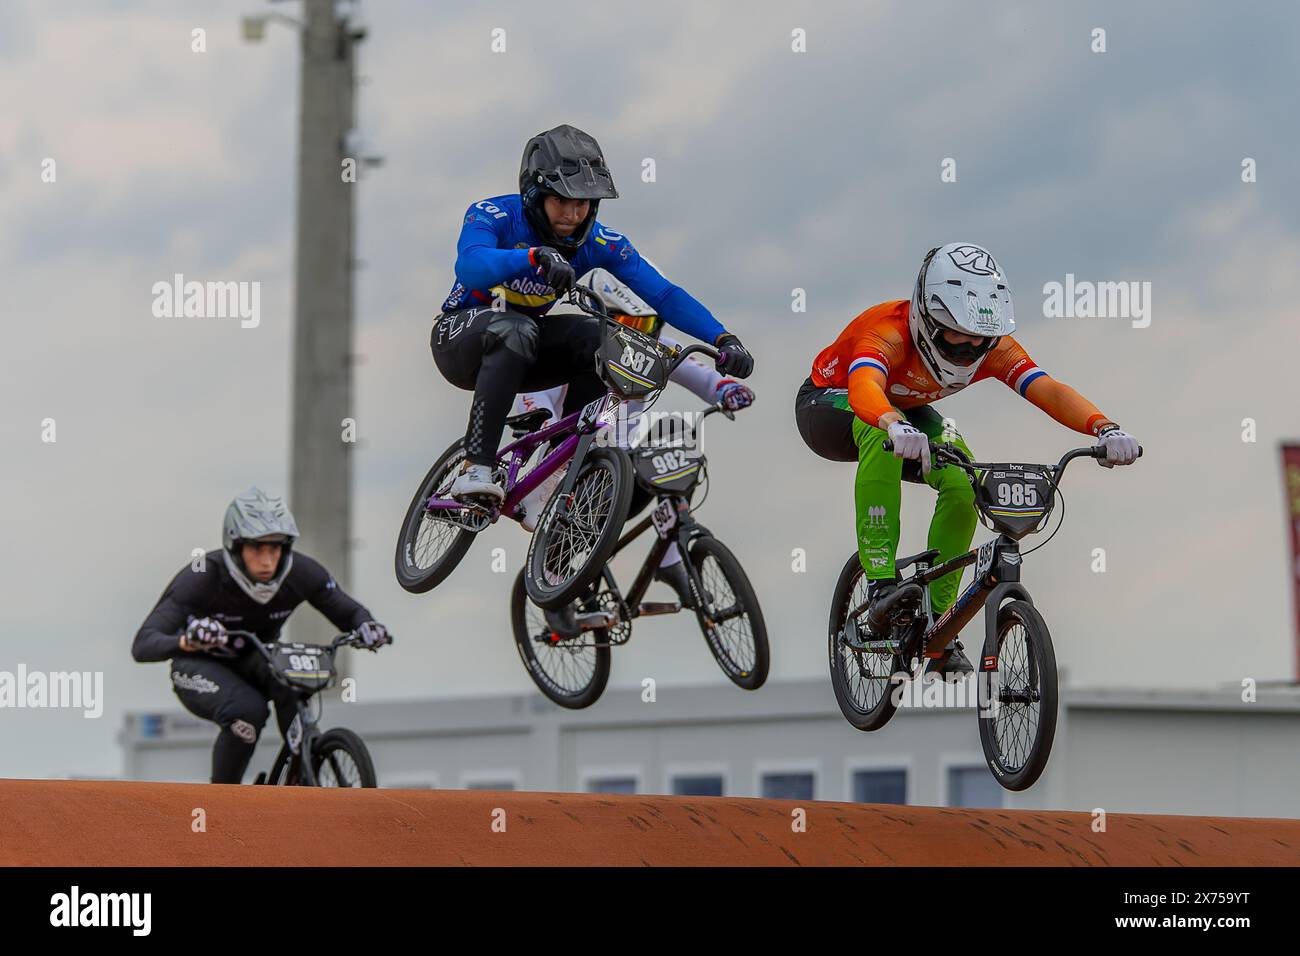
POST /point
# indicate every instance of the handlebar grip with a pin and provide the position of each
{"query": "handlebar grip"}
(887, 444)
(1099, 451)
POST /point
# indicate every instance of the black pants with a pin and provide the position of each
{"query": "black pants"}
(825, 424)
(232, 692)
(499, 354)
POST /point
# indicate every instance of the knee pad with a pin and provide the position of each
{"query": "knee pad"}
(513, 332)
(244, 719)
(245, 730)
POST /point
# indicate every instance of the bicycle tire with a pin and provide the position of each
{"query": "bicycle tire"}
(876, 714)
(751, 673)
(1020, 773)
(412, 578)
(550, 579)
(341, 740)
(540, 674)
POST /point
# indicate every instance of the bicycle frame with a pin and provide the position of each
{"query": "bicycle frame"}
(308, 724)
(674, 523)
(575, 428)
(685, 529)
(996, 578)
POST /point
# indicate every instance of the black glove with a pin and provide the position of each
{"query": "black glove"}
(735, 358)
(553, 268)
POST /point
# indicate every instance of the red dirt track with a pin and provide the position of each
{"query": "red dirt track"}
(85, 823)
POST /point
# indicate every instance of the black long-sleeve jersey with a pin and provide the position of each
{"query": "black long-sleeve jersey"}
(213, 593)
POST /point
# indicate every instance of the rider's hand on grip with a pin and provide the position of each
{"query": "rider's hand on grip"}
(907, 441)
(1116, 447)
(733, 396)
(734, 358)
(554, 269)
(374, 635)
(204, 634)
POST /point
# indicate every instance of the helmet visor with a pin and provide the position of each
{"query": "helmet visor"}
(966, 351)
(649, 324)
(963, 353)
(579, 179)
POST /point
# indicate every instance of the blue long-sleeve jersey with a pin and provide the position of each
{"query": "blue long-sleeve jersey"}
(492, 254)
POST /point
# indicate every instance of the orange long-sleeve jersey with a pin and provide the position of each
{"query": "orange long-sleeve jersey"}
(877, 361)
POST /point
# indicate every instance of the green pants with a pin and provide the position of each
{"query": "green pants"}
(878, 493)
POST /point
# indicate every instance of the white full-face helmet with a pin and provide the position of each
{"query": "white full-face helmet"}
(960, 287)
(257, 516)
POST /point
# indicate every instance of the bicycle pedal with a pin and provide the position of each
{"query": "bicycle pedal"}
(651, 608)
(596, 620)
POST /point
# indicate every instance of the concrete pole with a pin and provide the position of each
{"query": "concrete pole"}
(320, 482)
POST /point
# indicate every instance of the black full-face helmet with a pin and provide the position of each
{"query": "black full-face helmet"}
(568, 163)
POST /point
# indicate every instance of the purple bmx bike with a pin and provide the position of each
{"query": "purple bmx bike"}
(580, 526)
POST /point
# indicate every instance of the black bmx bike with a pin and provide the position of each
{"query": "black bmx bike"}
(309, 756)
(1016, 672)
(567, 651)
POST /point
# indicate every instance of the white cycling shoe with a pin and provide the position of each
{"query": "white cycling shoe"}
(535, 502)
(475, 481)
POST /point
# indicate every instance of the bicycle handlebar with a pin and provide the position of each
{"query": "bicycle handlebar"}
(590, 303)
(350, 639)
(952, 455)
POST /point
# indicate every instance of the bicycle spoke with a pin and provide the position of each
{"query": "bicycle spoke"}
(866, 675)
(569, 544)
(730, 632)
(566, 665)
(1015, 726)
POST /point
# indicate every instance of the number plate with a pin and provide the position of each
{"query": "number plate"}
(1014, 498)
(664, 517)
(591, 412)
(661, 470)
(305, 666)
(632, 364)
(985, 560)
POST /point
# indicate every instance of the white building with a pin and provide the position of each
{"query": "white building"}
(1198, 752)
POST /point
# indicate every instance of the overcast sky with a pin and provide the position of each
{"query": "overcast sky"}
(776, 170)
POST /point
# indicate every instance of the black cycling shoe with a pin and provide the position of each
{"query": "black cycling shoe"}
(953, 665)
(674, 575)
(886, 598)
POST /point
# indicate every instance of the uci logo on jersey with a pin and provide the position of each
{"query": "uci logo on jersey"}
(974, 260)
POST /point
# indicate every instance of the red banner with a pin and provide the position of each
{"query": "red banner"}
(1291, 474)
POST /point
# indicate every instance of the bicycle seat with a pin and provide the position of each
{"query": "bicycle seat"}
(526, 422)
(926, 556)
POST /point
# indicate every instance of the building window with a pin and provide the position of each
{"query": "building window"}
(880, 786)
(787, 786)
(490, 785)
(611, 785)
(973, 787)
(698, 785)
